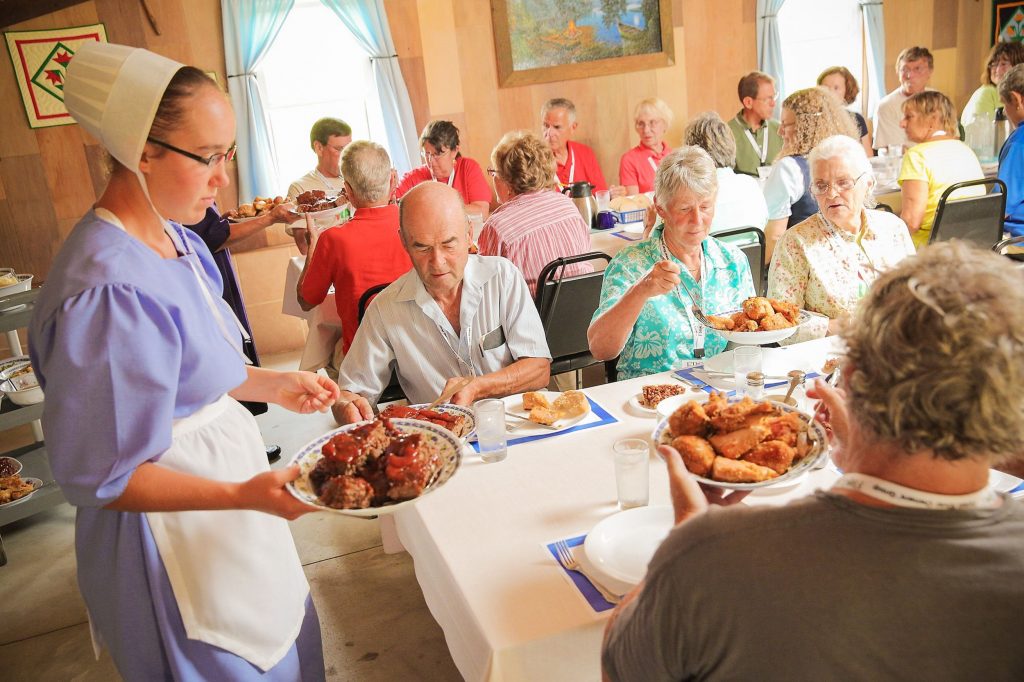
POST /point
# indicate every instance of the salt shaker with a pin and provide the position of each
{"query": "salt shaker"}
(755, 385)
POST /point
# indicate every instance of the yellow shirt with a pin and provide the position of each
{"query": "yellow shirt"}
(940, 163)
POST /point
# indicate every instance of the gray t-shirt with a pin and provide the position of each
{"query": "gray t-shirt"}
(826, 588)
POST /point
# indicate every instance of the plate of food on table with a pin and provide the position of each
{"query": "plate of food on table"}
(652, 395)
(257, 207)
(456, 418)
(760, 320)
(743, 444)
(545, 411)
(375, 467)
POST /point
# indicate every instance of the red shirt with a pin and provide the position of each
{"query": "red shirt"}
(362, 253)
(635, 166)
(469, 180)
(586, 167)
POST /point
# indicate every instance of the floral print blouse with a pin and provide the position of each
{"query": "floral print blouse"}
(827, 270)
(662, 338)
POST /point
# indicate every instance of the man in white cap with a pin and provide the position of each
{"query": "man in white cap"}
(185, 560)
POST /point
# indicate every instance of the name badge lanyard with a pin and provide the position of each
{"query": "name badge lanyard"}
(327, 181)
(762, 153)
(902, 496)
(451, 176)
(696, 327)
(572, 169)
(852, 261)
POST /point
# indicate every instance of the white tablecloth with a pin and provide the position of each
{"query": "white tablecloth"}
(324, 323)
(505, 608)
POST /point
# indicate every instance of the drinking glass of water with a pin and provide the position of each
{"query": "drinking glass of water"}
(632, 472)
(490, 429)
(745, 359)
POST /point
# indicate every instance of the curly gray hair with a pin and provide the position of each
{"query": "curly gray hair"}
(936, 355)
(709, 132)
(687, 167)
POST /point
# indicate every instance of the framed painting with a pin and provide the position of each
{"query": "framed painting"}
(40, 60)
(538, 41)
(1007, 21)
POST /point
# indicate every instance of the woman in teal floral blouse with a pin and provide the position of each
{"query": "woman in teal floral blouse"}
(644, 315)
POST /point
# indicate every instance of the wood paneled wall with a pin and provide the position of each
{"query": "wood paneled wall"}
(957, 32)
(49, 177)
(446, 50)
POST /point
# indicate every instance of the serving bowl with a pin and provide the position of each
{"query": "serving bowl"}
(761, 337)
(817, 440)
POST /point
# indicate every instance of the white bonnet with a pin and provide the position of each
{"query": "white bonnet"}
(113, 91)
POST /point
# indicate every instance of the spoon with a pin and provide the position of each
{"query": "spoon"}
(796, 378)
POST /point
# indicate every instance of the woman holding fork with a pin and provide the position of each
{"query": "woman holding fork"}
(645, 315)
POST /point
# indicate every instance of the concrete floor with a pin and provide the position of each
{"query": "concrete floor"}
(375, 624)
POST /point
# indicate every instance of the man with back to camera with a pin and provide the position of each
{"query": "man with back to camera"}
(575, 161)
(328, 138)
(914, 67)
(755, 131)
(454, 316)
(361, 253)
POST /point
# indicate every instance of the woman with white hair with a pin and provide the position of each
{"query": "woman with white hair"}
(740, 201)
(826, 263)
(652, 120)
(645, 312)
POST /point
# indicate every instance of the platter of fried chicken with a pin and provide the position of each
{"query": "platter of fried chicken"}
(375, 467)
(760, 320)
(743, 444)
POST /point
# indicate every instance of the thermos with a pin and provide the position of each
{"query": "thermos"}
(581, 194)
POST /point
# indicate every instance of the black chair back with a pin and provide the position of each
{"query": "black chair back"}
(749, 240)
(393, 391)
(884, 207)
(974, 219)
(364, 300)
(566, 305)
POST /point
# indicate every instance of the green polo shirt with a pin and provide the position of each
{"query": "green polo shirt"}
(747, 159)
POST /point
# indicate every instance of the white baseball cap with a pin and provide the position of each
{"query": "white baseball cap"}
(113, 91)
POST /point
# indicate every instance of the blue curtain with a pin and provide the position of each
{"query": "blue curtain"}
(250, 27)
(875, 28)
(368, 22)
(769, 45)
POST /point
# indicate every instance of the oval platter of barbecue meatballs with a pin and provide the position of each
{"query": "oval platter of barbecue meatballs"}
(743, 444)
(377, 467)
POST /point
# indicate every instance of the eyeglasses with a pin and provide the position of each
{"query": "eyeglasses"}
(210, 161)
(427, 156)
(769, 98)
(916, 70)
(493, 172)
(844, 185)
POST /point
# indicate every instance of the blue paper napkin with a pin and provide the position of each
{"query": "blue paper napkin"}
(586, 588)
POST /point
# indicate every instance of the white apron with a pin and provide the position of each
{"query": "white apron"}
(236, 575)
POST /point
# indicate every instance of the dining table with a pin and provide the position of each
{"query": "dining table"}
(480, 543)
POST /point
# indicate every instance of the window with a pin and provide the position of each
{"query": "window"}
(315, 68)
(816, 35)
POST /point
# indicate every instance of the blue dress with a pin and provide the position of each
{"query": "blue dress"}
(123, 343)
(1011, 171)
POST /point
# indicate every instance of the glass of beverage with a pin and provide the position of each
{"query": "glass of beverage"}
(745, 359)
(632, 472)
(603, 197)
(490, 429)
(476, 223)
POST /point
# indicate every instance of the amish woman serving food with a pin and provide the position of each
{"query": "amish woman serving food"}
(185, 560)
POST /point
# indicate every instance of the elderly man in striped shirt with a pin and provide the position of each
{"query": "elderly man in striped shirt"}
(454, 315)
